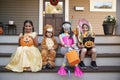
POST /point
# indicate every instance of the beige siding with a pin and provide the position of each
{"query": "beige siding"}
(95, 18)
(19, 11)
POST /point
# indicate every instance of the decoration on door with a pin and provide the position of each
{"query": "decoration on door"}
(54, 2)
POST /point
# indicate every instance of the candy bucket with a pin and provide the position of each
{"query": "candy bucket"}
(72, 57)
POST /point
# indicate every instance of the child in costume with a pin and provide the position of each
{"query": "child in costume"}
(48, 48)
(27, 56)
(85, 31)
(68, 42)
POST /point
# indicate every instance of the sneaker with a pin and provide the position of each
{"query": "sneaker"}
(94, 65)
(44, 67)
(49, 66)
(82, 65)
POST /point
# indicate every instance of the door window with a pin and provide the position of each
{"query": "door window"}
(50, 9)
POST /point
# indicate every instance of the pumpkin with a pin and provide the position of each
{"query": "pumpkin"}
(72, 57)
(89, 44)
(1, 30)
(26, 41)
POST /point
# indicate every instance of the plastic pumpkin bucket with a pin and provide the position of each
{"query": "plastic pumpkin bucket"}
(72, 57)
(1, 30)
(26, 41)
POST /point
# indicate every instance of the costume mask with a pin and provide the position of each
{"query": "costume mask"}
(67, 26)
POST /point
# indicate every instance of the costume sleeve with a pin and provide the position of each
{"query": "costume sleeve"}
(74, 38)
(20, 34)
(61, 41)
(34, 34)
(43, 44)
(80, 37)
(55, 43)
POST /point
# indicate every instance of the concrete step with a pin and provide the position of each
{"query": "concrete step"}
(98, 39)
(104, 44)
(101, 48)
(102, 59)
(104, 72)
(108, 60)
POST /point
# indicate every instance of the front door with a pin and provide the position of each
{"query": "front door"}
(54, 15)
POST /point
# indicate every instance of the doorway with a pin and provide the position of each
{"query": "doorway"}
(54, 15)
(55, 18)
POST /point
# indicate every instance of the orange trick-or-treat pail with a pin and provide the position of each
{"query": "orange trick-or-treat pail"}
(72, 57)
(26, 41)
(1, 30)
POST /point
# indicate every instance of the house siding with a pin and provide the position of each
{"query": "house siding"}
(20, 10)
(95, 18)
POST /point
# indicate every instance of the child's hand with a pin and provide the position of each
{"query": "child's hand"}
(21, 37)
(93, 46)
(80, 45)
(73, 45)
(67, 45)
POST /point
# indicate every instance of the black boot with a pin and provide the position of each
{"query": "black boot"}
(44, 67)
(49, 66)
(82, 65)
(94, 65)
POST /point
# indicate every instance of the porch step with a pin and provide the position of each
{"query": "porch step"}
(104, 72)
(108, 60)
(101, 47)
(98, 39)
(104, 44)
(89, 69)
(102, 59)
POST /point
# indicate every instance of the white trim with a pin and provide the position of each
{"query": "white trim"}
(66, 10)
(113, 5)
(41, 14)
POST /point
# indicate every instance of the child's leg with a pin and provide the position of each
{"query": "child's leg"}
(51, 58)
(93, 54)
(77, 49)
(44, 54)
(83, 53)
(82, 56)
(62, 70)
(63, 52)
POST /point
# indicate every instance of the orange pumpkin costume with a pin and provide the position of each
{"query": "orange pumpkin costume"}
(48, 46)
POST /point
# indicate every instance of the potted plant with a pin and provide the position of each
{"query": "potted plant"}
(109, 24)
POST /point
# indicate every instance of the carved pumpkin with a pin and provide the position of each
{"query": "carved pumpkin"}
(26, 41)
(1, 30)
(89, 44)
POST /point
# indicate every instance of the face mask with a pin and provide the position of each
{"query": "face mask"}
(66, 27)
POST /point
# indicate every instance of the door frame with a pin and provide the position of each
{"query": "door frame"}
(41, 14)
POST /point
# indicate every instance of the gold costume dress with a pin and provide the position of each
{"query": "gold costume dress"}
(26, 56)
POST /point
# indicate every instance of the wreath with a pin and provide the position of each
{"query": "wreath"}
(54, 2)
